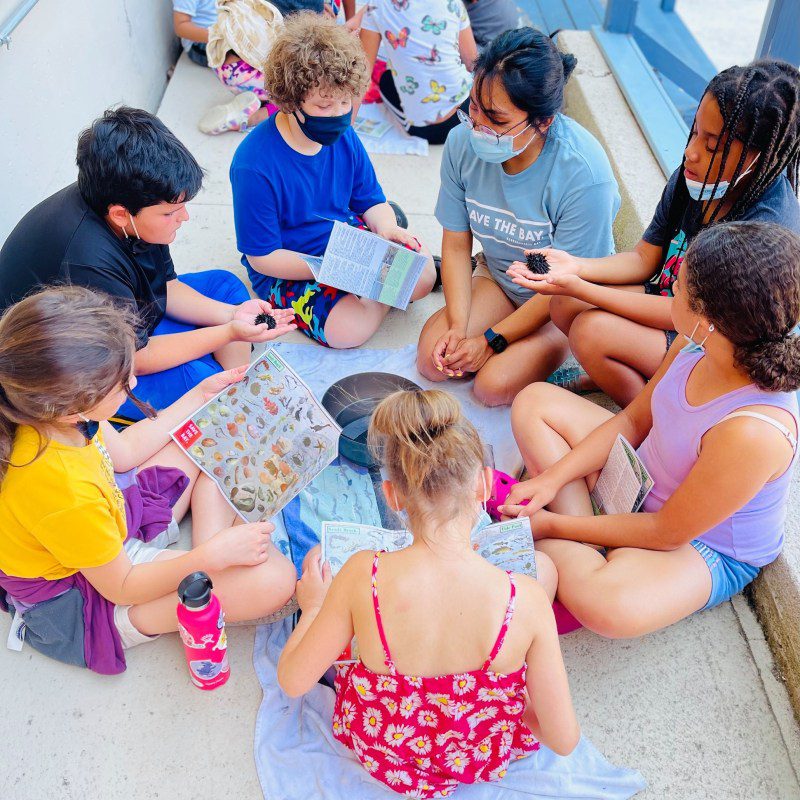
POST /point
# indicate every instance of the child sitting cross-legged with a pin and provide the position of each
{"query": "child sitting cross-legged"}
(716, 428)
(305, 168)
(442, 698)
(82, 555)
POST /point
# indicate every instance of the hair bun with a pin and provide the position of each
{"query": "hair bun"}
(772, 365)
(569, 62)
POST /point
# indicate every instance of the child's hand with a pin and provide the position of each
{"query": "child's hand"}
(244, 329)
(212, 385)
(250, 309)
(314, 583)
(539, 519)
(354, 23)
(536, 493)
(240, 546)
(559, 261)
(394, 233)
(564, 284)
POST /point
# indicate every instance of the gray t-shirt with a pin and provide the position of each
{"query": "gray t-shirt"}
(490, 18)
(566, 199)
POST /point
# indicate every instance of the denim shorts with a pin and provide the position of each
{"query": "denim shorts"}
(728, 576)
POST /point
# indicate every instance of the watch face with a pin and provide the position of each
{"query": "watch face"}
(498, 343)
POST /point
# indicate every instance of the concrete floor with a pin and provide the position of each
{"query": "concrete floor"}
(697, 708)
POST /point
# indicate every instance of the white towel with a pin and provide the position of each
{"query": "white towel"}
(297, 757)
(395, 141)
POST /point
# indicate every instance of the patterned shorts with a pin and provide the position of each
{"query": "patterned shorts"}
(311, 302)
(239, 77)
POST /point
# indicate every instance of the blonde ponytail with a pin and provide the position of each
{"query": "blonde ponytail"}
(431, 450)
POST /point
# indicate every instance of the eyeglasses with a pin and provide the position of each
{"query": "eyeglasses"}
(472, 125)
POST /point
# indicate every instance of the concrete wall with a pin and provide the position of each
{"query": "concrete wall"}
(69, 60)
(593, 98)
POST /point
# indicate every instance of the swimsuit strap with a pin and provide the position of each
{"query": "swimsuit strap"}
(387, 657)
(791, 438)
(504, 627)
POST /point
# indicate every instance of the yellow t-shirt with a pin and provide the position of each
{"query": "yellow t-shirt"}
(60, 513)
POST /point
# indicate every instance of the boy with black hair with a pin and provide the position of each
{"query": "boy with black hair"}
(110, 231)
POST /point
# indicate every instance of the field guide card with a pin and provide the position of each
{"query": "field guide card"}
(508, 545)
(624, 482)
(362, 263)
(262, 440)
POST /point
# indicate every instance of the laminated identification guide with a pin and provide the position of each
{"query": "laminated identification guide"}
(624, 482)
(261, 440)
(364, 264)
(508, 545)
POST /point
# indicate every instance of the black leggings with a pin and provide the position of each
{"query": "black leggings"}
(434, 134)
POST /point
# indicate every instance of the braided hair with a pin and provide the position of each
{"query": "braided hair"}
(760, 106)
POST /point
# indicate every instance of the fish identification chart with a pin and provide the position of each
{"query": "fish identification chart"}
(262, 440)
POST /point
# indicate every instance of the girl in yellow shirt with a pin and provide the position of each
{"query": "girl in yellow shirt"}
(71, 542)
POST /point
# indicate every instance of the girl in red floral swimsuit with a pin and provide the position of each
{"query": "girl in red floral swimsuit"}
(460, 669)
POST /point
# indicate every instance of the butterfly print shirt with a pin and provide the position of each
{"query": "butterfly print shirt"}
(420, 44)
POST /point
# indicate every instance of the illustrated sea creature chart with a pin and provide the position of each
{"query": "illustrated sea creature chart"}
(340, 540)
(508, 545)
(262, 440)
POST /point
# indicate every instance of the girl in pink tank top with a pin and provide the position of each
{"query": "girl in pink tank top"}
(716, 428)
(442, 693)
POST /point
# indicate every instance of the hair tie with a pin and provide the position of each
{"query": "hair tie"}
(429, 435)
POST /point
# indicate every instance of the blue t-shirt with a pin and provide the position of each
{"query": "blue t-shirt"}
(778, 204)
(284, 199)
(567, 199)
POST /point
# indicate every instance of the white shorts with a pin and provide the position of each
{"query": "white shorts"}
(140, 552)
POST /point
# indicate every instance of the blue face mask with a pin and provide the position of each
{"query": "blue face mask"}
(698, 192)
(493, 151)
(324, 130)
(88, 428)
(693, 346)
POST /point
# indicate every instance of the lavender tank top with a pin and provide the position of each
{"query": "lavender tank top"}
(754, 533)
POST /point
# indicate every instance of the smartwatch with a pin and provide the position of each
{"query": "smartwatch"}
(496, 340)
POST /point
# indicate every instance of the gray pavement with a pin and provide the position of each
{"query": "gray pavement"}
(697, 708)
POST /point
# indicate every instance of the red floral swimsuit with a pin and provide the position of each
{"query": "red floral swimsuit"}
(424, 736)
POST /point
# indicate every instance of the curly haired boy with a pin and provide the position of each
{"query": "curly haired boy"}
(304, 168)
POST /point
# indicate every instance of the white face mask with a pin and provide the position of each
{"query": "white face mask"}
(133, 224)
(698, 192)
(696, 347)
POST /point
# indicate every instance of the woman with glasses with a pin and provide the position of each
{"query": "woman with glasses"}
(517, 175)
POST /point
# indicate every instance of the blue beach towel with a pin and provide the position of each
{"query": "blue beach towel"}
(297, 757)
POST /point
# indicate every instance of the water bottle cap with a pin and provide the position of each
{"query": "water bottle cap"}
(194, 591)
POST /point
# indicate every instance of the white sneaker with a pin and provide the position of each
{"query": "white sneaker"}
(230, 116)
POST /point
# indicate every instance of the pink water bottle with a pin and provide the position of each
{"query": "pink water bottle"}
(201, 623)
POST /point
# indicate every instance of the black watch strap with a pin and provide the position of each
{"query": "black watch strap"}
(496, 341)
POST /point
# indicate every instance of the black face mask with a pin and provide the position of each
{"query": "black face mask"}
(324, 130)
(88, 428)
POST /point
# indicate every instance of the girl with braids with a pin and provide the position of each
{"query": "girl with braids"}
(418, 709)
(716, 428)
(81, 549)
(740, 163)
